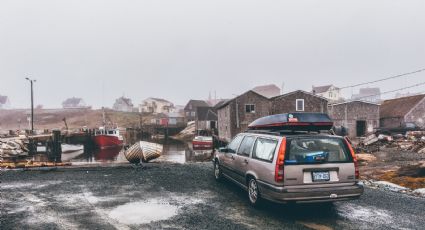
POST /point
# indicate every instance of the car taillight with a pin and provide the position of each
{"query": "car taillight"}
(280, 162)
(353, 155)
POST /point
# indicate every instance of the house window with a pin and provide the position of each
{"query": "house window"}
(250, 108)
(193, 114)
(300, 104)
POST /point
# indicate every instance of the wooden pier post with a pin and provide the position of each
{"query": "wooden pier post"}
(56, 146)
(32, 148)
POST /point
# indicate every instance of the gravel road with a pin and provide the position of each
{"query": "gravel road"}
(178, 196)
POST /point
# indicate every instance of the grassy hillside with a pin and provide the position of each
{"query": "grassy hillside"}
(76, 118)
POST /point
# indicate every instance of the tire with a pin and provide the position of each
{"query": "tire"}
(253, 192)
(218, 175)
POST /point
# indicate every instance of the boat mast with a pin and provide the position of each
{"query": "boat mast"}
(103, 116)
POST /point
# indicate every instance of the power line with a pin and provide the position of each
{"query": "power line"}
(392, 91)
(385, 79)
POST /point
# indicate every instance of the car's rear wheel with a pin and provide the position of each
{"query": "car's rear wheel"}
(253, 192)
(217, 171)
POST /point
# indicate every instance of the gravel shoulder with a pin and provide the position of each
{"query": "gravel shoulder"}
(178, 196)
(403, 168)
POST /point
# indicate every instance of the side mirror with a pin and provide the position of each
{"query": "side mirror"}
(223, 150)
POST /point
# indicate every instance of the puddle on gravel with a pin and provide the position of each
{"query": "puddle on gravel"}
(372, 215)
(143, 212)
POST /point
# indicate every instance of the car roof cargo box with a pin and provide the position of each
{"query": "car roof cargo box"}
(293, 122)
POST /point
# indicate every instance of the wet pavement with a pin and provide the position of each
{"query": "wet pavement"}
(163, 195)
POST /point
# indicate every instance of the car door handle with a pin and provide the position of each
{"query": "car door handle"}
(233, 157)
(245, 161)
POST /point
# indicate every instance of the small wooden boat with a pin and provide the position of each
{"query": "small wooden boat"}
(143, 151)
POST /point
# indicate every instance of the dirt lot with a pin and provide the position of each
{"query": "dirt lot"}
(76, 118)
(400, 167)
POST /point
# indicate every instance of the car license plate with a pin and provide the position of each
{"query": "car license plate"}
(321, 176)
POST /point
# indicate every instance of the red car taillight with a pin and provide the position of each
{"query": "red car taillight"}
(280, 162)
(353, 154)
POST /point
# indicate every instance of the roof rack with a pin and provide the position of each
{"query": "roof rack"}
(264, 132)
(289, 132)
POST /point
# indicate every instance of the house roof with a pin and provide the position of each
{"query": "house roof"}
(214, 102)
(321, 89)
(175, 115)
(300, 91)
(206, 114)
(158, 99)
(352, 101)
(161, 115)
(225, 103)
(73, 101)
(3, 100)
(267, 90)
(125, 100)
(218, 105)
(399, 107)
(369, 91)
(197, 103)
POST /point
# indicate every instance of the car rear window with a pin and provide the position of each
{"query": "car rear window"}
(264, 149)
(317, 151)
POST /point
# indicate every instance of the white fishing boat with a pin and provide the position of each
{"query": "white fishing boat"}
(66, 148)
(72, 155)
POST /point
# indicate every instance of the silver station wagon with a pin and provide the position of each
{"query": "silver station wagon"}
(288, 158)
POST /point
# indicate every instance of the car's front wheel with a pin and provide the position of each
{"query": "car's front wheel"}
(217, 171)
(253, 192)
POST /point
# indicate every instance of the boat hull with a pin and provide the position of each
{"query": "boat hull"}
(143, 151)
(108, 154)
(105, 142)
(202, 145)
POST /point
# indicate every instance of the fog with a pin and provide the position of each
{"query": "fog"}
(179, 50)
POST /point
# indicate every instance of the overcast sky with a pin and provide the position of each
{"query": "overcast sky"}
(183, 49)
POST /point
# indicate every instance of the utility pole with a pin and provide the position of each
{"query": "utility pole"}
(32, 104)
(237, 111)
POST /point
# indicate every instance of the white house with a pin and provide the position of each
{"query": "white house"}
(368, 94)
(330, 92)
(156, 105)
(123, 104)
(74, 103)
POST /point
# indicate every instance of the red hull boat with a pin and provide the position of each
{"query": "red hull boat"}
(202, 143)
(105, 139)
(109, 154)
